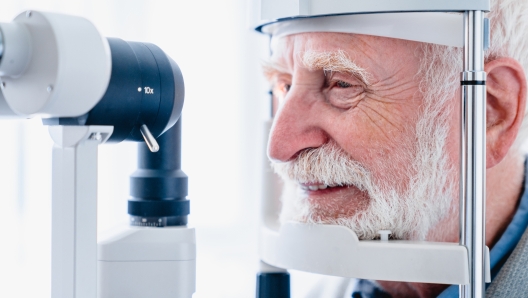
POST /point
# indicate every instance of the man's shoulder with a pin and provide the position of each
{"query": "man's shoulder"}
(512, 280)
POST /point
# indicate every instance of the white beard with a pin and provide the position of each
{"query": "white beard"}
(409, 212)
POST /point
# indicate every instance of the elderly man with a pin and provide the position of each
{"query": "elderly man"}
(366, 135)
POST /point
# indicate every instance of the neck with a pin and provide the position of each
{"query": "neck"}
(503, 190)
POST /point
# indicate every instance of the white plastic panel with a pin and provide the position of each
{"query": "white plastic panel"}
(336, 250)
(5, 110)
(276, 9)
(270, 206)
(432, 27)
(149, 244)
(147, 262)
(74, 210)
(169, 279)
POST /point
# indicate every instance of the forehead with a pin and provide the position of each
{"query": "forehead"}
(369, 51)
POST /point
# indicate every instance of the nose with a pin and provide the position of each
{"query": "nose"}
(296, 126)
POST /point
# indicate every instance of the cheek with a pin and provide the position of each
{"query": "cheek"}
(384, 143)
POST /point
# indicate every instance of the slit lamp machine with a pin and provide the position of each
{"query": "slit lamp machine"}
(90, 90)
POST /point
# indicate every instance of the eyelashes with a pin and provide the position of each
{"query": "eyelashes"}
(343, 84)
(279, 90)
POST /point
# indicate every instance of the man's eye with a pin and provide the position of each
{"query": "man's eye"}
(343, 95)
(342, 84)
(281, 89)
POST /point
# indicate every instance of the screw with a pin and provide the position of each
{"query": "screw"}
(96, 136)
(384, 235)
(28, 14)
(49, 88)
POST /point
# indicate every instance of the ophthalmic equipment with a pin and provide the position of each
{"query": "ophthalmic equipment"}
(336, 250)
(90, 90)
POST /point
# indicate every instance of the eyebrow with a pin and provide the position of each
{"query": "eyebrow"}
(271, 68)
(337, 61)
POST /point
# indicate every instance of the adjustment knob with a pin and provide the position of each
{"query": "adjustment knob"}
(149, 138)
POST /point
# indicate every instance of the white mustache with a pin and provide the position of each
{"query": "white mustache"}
(328, 165)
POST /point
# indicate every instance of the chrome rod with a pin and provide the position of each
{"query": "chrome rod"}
(152, 144)
(473, 154)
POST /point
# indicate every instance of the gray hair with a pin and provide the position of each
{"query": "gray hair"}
(509, 24)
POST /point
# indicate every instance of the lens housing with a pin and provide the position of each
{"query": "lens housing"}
(158, 188)
(146, 88)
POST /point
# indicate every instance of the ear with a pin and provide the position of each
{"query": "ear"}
(506, 101)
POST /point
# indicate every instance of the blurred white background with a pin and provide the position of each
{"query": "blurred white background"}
(225, 105)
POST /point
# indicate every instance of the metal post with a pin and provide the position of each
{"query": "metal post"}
(74, 210)
(473, 154)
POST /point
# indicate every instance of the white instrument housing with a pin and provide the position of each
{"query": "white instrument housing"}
(147, 262)
(53, 65)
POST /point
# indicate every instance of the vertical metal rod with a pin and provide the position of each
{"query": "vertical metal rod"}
(473, 154)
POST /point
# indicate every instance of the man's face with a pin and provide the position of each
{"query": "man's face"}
(354, 138)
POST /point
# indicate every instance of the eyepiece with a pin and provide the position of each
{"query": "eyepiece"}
(15, 57)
